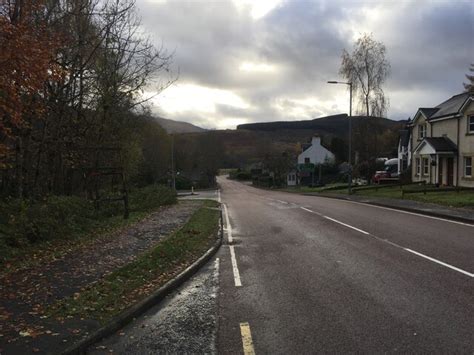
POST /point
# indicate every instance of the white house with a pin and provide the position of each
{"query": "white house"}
(315, 153)
(312, 155)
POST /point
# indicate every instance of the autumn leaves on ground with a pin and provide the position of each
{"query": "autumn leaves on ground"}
(79, 151)
(51, 301)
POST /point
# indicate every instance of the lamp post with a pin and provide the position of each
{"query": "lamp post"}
(173, 173)
(350, 130)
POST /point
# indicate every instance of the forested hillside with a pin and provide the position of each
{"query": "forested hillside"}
(255, 142)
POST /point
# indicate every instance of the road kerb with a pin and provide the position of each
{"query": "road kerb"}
(139, 308)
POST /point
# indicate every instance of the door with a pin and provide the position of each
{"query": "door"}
(450, 171)
(440, 170)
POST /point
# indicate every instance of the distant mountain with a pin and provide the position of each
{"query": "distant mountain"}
(328, 125)
(172, 126)
(252, 142)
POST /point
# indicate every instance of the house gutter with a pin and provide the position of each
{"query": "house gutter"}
(447, 117)
(458, 161)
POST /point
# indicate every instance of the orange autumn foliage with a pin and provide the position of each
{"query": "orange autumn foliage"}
(27, 53)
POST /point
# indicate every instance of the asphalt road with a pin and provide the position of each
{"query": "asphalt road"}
(323, 275)
(307, 275)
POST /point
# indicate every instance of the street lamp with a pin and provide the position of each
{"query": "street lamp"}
(173, 172)
(350, 129)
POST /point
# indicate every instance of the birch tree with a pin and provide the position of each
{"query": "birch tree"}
(367, 68)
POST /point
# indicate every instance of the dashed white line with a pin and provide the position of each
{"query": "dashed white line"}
(216, 265)
(235, 269)
(310, 211)
(228, 227)
(440, 262)
(346, 225)
(393, 244)
(336, 221)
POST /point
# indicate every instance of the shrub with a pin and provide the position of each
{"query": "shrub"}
(25, 222)
(150, 197)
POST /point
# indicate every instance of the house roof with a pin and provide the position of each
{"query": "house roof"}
(428, 111)
(404, 137)
(441, 144)
(447, 108)
(305, 146)
(451, 106)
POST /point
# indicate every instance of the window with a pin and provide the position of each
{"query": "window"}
(418, 166)
(422, 131)
(306, 160)
(426, 166)
(470, 124)
(468, 166)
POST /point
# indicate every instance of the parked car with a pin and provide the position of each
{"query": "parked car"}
(389, 173)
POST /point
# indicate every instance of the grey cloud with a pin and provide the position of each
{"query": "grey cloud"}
(429, 44)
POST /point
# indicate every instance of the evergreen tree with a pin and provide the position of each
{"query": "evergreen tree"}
(469, 87)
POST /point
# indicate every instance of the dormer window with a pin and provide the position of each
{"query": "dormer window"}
(422, 131)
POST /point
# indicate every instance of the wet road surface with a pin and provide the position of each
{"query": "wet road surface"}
(304, 275)
(185, 323)
(323, 275)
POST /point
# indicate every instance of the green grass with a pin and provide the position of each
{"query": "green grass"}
(123, 287)
(463, 198)
(30, 230)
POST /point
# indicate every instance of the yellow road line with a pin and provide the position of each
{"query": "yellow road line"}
(247, 341)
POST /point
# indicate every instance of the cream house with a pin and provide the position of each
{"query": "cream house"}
(442, 142)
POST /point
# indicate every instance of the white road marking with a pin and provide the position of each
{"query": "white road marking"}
(219, 195)
(310, 211)
(440, 262)
(228, 227)
(247, 342)
(233, 259)
(394, 244)
(336, 221)
(235, 269)
(284, 202)
(412, 213)
(216, 265)
(346, 225)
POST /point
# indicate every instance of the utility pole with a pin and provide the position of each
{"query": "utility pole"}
(350, 138)
(173, 173)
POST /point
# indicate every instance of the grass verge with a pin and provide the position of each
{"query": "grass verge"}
(307, 189)
(462, 198)
(127, 285)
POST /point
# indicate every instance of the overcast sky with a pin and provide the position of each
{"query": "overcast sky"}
(249, 61)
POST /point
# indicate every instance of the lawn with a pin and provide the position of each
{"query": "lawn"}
(463, 198)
